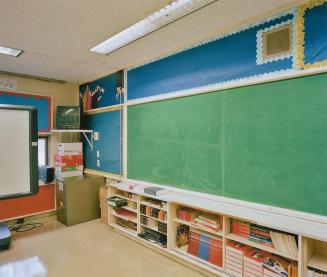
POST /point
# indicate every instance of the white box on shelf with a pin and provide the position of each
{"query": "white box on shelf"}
(67, 148)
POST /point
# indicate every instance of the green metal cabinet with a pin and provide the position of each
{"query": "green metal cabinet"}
(78, 199)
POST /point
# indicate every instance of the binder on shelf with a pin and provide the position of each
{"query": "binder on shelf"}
(204, 245)
(216, 252)
(193, 246)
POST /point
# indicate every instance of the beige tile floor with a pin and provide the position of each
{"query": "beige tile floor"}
(90, 249)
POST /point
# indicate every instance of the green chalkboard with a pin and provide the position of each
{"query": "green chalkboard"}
(275, 143)
(176, 142)
(264, 143)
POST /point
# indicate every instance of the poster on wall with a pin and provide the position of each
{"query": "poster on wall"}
(8, 84)
(102, 93)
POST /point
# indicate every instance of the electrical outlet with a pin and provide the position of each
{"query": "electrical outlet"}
(96, 136)
(98, 163)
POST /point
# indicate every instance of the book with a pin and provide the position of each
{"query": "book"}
(154, 191)
(277, 264)
(285, 243)
(216, 252)
(313, 272)
(203, 251)
(209, 221)
(193, 245)
(237, 247)
(187, 214)
(255, 257)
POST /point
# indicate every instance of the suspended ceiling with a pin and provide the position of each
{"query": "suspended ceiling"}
(56, 35)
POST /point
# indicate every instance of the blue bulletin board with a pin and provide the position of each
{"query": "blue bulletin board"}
(106, 154)
(42, 103)
(100, 93)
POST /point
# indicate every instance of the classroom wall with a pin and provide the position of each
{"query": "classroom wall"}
(62, 94)
(231, 60)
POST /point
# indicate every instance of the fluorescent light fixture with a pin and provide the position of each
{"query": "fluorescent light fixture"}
(10, 51)
(165, 16)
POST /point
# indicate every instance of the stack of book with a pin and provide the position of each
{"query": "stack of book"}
(205, 247)
(216, 252)
(260, 234)
(253, 262)
(234, 257)
(153, 212)
(276, 266)
(69, 160)
(162, 227)
(187, 214)
(126, 224)
(155, 203)
(124, 214)
(313, 272)
(209, 221)
(285, 243)
(240, 228)
(154, 237)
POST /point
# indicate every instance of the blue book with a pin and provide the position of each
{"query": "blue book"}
(204, 246)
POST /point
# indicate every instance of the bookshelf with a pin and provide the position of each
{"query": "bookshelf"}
(314, 255)
(259, 246)
(219, 233)
(311, 253)
(126, 223)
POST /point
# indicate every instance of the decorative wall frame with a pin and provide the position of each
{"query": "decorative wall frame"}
(300, 47)
(261, 59)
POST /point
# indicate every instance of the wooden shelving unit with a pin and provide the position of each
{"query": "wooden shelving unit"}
(181, 221)
(314, 255)
(259, 246)
(145, 203)
(311, 253)
(153, 229)
(124, 218)
(202, 263)
(318, 261)
(125, 197)
(163, 221)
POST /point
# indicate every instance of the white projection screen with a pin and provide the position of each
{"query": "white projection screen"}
(18, 151)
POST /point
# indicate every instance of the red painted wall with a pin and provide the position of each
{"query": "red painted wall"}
(43, 201)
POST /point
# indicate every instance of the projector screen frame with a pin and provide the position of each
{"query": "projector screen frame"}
(33, 150)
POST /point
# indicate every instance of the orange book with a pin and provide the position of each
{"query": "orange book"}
(193, 245)
(215, 252)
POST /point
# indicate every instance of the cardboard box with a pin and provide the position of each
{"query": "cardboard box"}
(69, 160)
(73, 147)
(60, 174)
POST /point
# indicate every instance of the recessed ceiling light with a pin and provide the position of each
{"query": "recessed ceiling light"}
(10, 51)
(167, 15)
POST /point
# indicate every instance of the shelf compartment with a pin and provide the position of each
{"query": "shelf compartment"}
(125, 197)
(197, 261)
(125, 218)
(145, 203)
(318, 261)
(129, 209)
(181, 221)
(163, 221)
(153, 229)
(120, 228)
(259, 246)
